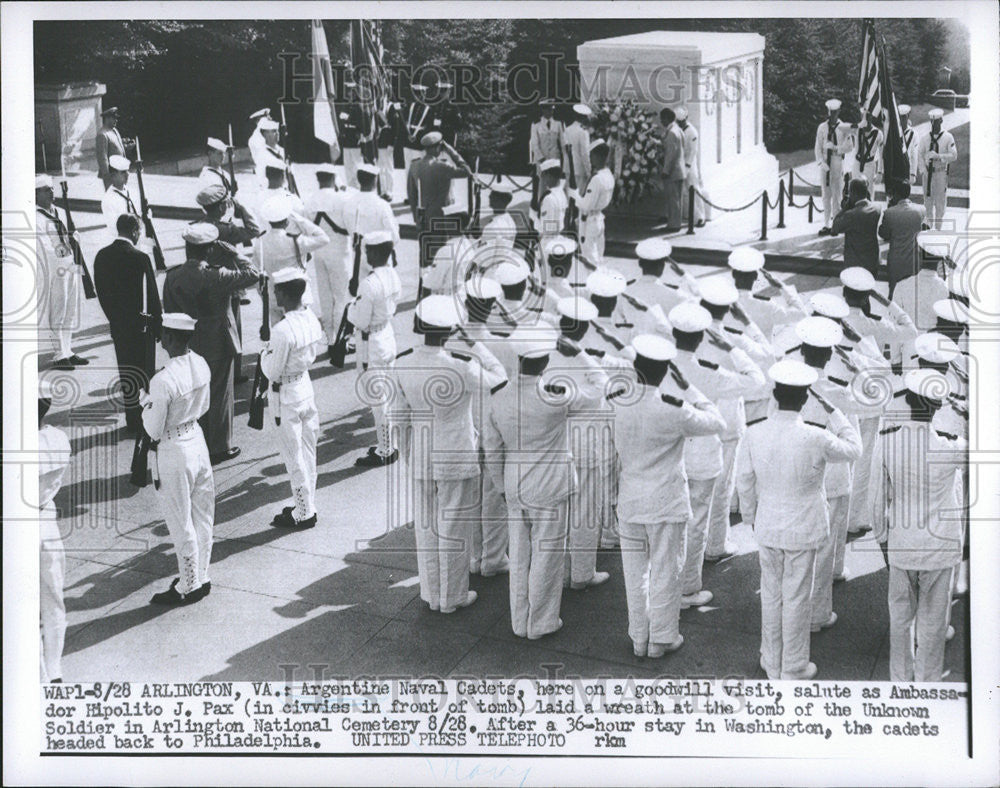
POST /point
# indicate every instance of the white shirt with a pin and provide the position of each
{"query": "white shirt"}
(769, 312)
(660, 297)
(267, 194)
(577, 138)
(844, 142)
(375, 305)
(500, 230)
(114, 203)
(366, 212)
(947, 152)
(178, 393)
(51, 244)
(546, 140)
(291, 350)
(591, 417)
(916, 296)
(334, 204)
(598, 195)
(54, 455)
(276, 249)
(690, 149)
(552, 214)
(452, 263)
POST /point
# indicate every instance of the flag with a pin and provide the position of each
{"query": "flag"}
(869, 94)
(324, 112)
(895, 161)
(371, 79)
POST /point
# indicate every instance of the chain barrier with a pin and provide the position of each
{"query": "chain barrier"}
(729, 210)
(800, 178)
(495, 178)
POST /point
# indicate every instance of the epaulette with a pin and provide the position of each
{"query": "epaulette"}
(756, 421)
(947, 435)
(900, 393)
(795, 349)
(504, 334)
(840, 382)
(961, 397)
(460, 356)
(708, 364)
(670, 400)
(565, 351)
(624, 325)
(615, 394)
(595, 352)
(498, 386)
(732, 330)
(671, 286)
(577, 284)
(815, 424)
(405, 352)
(889, 430)
(535, 309)
(552, 388)
(760, 297)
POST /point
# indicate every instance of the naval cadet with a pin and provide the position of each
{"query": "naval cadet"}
(596, 198)
(935, 154)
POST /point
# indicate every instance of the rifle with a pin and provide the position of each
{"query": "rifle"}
(88, 284)
(143, 443)
(831, 132)
(292, 187)
(147, 220)
(230, 165)
(572, 219)
(258, 394)
(346, 328)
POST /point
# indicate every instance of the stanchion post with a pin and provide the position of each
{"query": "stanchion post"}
(810, 209)
(763, 216)
(781, 205)
(690, 210)
(791, 183)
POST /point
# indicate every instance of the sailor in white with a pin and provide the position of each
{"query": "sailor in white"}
(692, 168)
(653, 291)
(935, 154)
(653, 416)
(915, 506)
(117, 199)
(367, 212)
(917, 294)
(214, 173)
(178, 397)
(910, 141)
(285, 362)
(552, 208)
(576, 142)
(518, 305)
(595, 198)
(371, 315)
(780, 470)
(270, 153)
(54, 454)
(457, 259)
(500, 229)
(256, 143)
(768, 312)
(434, 393)
(834, 141)
(276, 184)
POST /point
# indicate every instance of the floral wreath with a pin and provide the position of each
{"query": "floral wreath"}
(635, 147)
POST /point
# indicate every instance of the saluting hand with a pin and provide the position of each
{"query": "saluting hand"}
(719, 341)
(678, 376)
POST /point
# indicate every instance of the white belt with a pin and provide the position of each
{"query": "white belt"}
(291, 378)
(172, 433)
(373, 330)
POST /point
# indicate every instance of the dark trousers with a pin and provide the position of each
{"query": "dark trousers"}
(217, 423)
(135, 367)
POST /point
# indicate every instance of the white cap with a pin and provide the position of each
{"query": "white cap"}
(377, 237)
(950, 309)
(904, 109)
(936, 114)
(290, 273)
(483, 288)
(606, 283)
(577, 308)
(790, 372)
(268, 125)
(857, 278)
(829, 305)
(503, 188)
(371, 169)
(718, 291)
(935, 348)
(654, 249)
(179, 321)
(216, 144)
(958, 284)
(511, 273)
(819, 332)
(833, 104)
(261, 113)
(653, 347)
(276, 209)
(549, 164)
(927, 383)
(681, 113)
(597, 143)
(327, 169)
(119, 163)
(431, 138)
(560, 246)
(582, 109)
(43, 181)
(935, 242)
(534, 342)
(746, 258)
(200, 233)
(689, 317)
(439, 310)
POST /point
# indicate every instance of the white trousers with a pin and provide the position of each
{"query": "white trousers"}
(296, 436)
(702, 211)
(718, 523)
(585, 513)
(834, 193)
(187, 493)
(52, 610)
(537, 550)
(785, 584)
(936, 203)
(592, 247)
(409, 154)
(652, 560)
(825, 568)
(702, 494)
(352, 160)
(918, 605)
(59, 306)
(333, 265)
(375, 358)
(442, 517)
(386, 168)
(861, 477)
(489, 532)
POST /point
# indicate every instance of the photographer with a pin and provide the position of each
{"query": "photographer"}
(858, 221)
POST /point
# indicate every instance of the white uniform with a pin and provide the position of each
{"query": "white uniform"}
(780, 470)
(692, 162)
(335, 261)
(935, 153)
(653, 504)
(500, 231)
(452, 264)
(911, 143)
(551, 217)
(915, 503)
(281, 247)
(545, 141)
(59, 281)
(526, 437)
(595, 199)
(115, 202)
(266, 156)
(916, 296)
(53, 459)
(771, 312)
(178, 397)
(577, 139)
(365, 213)
(296, 202)
(285, 361)
(371, 314)
(832, 174)
(873, 167)
(443, 457)
(257, 148)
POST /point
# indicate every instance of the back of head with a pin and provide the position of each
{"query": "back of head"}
(667, 116)
(859, 189)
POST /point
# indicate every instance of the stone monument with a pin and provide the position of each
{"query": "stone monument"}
(718, 76)
(67, 118)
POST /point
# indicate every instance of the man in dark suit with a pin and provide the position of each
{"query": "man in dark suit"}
(901, 224)
(126, 288)
(859, 224)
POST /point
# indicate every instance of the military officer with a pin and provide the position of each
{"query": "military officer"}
(596, 197)
(780, 470)
(285, 362)
(428, 185)
(256, 143)
(912, 509)
(178, 397)
(109, 143)
(692, 169)
(54, 455)
(552, 211)
(910, 141)
(935, 153)
(367, 212)
(419, 123)
(117, 199)
(576, 145)
(545, 142)
(59, 295)
(389, 132)
(833, 142)
(674, 169)
(204, 292)
(445, 484)
(371, 314)
(652, 421)
(768, 312)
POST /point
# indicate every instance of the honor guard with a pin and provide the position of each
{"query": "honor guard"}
(653, 418)
(457, 259)
(553, 204)
(440, 432)
(833, 142)
(936, 352)
(913, 507)
(576, 145)
(500, 229)
(277, 186)
(271, 150)
(117, 199)
(419, 123)
(389, 133)
(910, 141)
(285, 361)
(596, 197)
(214, 173)
(917, 294)
(767, 311)
(367, 212)
(109, 143)
(544, 142)
(205, 292)
(935, 154)
(59, 275)
(515, 306)
(256, 143)
(428, 184)
(371, 314)
(603, 288)
(873, 141)
(182, 472)
(692, 168)
(351, 122)
(780, 469)
(54, 455)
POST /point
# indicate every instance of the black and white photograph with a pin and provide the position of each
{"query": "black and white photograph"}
(523, 380)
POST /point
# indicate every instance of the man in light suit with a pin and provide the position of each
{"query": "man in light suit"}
(109, 143)
(674, 169)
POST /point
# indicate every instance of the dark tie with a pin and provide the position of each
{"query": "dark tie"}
(934, 142)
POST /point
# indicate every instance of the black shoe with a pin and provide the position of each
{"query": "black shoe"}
(286, 520)
(700, 223)
(240, 379)
(64, 364)
(824, 231)
(374, 460)
(225, 455)
(78, 361)
(175, 598)
(203, 591)
(244, 302)
(330, 350)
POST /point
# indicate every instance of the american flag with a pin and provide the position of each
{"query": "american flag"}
(877, 102)
(324, 114)
(371, 78)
